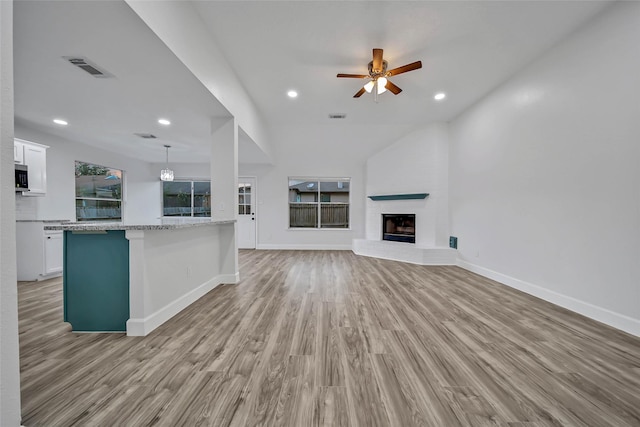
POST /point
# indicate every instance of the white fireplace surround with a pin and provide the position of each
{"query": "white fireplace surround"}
(429, 248)
(405, 252)
(424, 171)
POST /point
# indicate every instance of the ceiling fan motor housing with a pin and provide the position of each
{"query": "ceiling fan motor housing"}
(377, 73)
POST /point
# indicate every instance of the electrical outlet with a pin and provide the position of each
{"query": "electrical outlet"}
(477, 254)
(188, 271)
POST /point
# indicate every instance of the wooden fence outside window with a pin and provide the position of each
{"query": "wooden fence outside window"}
(332, 215)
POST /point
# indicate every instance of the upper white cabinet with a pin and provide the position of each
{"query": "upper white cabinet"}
(34, 156)
(18, 152)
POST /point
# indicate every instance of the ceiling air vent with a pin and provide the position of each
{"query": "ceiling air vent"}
(337, 116)
(88, 66)
(146, 135)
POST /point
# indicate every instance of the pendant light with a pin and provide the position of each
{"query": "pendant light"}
(166, 174)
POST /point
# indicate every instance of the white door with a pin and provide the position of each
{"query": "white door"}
(246, 212)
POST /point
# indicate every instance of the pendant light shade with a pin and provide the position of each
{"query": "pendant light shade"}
(379, 83)
(369, 86)
(166, 174)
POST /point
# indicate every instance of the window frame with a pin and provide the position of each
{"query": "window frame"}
(192, 206)
(319, 203)
(120, 200)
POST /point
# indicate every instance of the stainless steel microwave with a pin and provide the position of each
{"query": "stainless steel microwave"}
(22, 178)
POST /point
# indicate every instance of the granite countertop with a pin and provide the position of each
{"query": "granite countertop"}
(79, 226)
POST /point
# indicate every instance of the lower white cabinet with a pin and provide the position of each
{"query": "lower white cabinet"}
(53, 252)
(39, 251)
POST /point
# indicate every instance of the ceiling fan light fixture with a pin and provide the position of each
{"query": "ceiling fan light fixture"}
(369, 86)
(378, 73)
(382, 82)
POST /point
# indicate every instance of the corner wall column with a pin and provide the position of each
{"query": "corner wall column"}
(9, 346)
(138, 286)
(224, 185)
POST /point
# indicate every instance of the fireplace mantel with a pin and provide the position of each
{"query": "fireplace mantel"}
(399, 196)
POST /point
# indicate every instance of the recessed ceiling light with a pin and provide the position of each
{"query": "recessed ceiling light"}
(292, 94)
(439, 96)
(60, 122)
(164, 122)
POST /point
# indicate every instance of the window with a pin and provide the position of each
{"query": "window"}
(98, 193)
(186, 198)
(319, 202)
(244, 198)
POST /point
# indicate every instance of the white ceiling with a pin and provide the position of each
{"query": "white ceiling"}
(149, 81)
(467, 49)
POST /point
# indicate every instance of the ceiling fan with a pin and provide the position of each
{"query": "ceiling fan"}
(378, 74)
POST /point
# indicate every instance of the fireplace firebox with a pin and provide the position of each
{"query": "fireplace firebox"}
(399, 227)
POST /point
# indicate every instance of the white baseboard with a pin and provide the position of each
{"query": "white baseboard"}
(49, 276)
(229, 278)
(304, 247)
(608, 317)
(142, 327)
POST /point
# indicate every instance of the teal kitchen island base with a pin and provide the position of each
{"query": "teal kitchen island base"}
(96, 280)
(133, 278)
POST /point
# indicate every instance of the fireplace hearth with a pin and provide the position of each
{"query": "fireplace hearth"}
(399, 227)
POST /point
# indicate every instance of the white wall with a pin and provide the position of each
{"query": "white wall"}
(142, 185)
(327, 152)
(172, 269)
(417, 163)
(9, 358)
(545, 174)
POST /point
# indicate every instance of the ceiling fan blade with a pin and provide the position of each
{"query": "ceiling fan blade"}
(359, 93)
(377, 60)
(353, 76)
(409, 67)
(392, 88)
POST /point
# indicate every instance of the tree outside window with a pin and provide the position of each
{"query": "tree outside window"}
(186, 198)
(98, 192)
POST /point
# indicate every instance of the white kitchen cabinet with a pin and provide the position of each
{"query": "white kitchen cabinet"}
(18, 152)
(35, 158)
(53, 252)
(39, 251)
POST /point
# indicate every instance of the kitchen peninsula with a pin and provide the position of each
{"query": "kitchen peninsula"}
(133, 278)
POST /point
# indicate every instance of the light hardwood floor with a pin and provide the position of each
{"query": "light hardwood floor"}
(330, 338)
